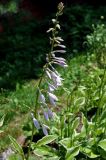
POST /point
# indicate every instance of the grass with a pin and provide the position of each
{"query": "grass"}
(15, 105)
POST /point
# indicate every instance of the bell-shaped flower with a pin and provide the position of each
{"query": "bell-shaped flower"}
(56, 79)
(46, 115)
(59, 58)
(60, 39)
(61, 63)
(49, 30)
(35, 121)
(45, 129)
(51, 87)
(41, 97)
(52, 98)
(58, 51)
(50, 113)
(60, 45)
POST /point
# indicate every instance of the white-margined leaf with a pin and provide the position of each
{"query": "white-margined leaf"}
(16, 146)
(102, 144)
(46, 140)
(72, 152)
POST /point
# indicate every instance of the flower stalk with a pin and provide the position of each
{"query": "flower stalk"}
(52, 77)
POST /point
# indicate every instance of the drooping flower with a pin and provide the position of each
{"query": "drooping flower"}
(49, 30)
(57, 80)
(58, 51)
(45, 129)
(50, 113)
(58, 58)
(35, 121)
(46, 115)
(61, 63)
(52, 98)
(59, 39)
(41, 97)
(51, 87)
(60, 45)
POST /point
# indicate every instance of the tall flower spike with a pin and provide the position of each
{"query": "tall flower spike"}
(53, 78)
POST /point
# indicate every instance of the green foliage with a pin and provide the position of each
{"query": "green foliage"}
(46, 140)
(78, 21)
(97, 43)
(17, 147)
(10, 7)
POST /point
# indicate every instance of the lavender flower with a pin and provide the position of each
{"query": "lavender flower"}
(56, 78)
(36, 123)
(59, 39)
(50, 113)
(41, 97)
(51, 87)
(61, 63)
(52, 98)
(60, 45)
(45, 129)
(46, 115)
(58, 51)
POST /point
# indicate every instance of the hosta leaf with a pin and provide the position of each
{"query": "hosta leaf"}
(79, 101)
(102, 144)
(16, 146)
(84, 121)
(66, 143)
(53, 158)
(46, 140)
(88, 152)
(45, 151)
(72, 152)
(102, 153)
(75, 123)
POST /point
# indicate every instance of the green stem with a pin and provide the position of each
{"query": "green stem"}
(35, 114)
(30, 142)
